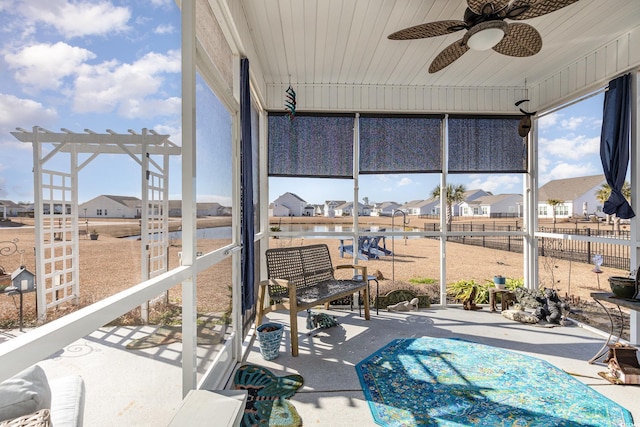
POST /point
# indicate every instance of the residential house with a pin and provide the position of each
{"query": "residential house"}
(384, 208)
(578, 196)
(330, 207)
(109, 206)
(493, 206)
(421, 207)
(290, 204)
(203, 209)
(469, 195)
(346, 209)
(11, 209)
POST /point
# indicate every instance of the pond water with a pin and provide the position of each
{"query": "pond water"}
(225, 232)
(201, 233)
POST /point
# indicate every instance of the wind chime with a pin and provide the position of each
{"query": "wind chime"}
(290, 102)
(525, 124)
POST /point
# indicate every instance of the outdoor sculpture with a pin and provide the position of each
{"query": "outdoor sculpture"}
(404, 305)
(552, 308)
(320, 320)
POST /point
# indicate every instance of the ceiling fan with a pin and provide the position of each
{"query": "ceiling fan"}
(484, 22)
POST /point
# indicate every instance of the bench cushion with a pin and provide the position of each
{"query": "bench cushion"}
(67, 401)
(331, 289)
(24, 393)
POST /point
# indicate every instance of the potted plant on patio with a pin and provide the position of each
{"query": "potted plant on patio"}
(94, 234)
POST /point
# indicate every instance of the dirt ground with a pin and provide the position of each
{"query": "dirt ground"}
(111, 264)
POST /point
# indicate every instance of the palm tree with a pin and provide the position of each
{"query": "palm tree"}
(603, 194)
(453, 194)
(553, 203)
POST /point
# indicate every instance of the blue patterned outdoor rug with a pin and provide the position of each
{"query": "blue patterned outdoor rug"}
(453, 382)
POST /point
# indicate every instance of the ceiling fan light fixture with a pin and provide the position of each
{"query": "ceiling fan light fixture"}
(485, 35)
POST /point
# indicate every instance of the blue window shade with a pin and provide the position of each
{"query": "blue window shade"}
(400, 144)
(486, 144)
(318, 146)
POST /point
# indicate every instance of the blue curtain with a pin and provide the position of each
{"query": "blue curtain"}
(614, 144)
(246, 194)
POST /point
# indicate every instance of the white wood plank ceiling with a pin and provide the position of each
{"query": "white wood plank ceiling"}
(344, 42)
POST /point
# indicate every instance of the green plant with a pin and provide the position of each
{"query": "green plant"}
(469, 292)
(513, 284)
(423, 281)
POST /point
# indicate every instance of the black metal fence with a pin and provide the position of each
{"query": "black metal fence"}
(613, 255)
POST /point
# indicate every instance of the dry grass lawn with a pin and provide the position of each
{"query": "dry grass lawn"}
(112, 264)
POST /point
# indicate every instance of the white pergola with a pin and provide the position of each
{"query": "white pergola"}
(56, 203)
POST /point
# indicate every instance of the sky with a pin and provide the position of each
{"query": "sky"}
(116, 65)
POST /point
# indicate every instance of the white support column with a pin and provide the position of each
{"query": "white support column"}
(189, 296)
(356, 196)
(144, 225)
(634, 333)
(74, 223)
(444, 144)
(237, 313)
(530, 247)
(38, 230)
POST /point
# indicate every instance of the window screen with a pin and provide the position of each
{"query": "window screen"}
(400, 144)
(486, 144)
(311, 145)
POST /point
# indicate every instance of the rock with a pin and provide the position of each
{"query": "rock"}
(404, 305)
(520, 316)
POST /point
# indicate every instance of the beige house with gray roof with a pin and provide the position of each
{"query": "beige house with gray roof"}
(110, 206)
(578, 197)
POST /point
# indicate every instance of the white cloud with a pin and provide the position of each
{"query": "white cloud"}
(549, 120)
(404, 181)
(44, 66)
(150, 108)
(165, 29)
(78, 18)
(125, 87)
(18, 112)
(576, 147)
(496, 184)
(572, 122)
(566, 170)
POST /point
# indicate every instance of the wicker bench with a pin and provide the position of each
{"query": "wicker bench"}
(302, 277)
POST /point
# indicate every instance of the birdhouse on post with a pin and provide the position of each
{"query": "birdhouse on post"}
(22, 280)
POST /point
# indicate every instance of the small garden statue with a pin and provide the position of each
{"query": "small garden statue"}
(553, 308)
(404, 305)
(320, 320)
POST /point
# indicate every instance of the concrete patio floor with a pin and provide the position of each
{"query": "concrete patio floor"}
(332, 395)
(142, 387)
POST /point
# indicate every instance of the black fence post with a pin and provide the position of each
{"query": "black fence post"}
(588, 247)
(483, 237)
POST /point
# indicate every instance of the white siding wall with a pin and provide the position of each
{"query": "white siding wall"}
(588, 73)
(361, 98)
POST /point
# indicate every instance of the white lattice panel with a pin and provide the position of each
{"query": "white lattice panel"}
(60, 265)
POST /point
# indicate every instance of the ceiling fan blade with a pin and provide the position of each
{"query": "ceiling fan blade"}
(483, 7)
(527, 9)
(430, 29)
(520, 40)
(452, 52)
